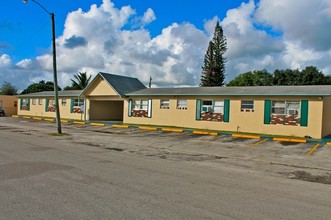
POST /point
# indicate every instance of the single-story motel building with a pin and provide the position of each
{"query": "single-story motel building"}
(300, 111)
(9, 104)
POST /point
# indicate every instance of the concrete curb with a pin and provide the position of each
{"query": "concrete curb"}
(327, 142)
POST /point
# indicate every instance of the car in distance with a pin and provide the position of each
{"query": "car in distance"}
(2, 112)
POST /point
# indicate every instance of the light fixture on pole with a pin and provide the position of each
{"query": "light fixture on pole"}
(56, 95)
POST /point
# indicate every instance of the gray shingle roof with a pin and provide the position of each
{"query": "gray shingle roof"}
(319, 90)
(121, 84)
(66, 93)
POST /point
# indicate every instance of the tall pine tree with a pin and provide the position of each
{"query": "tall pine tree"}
(213, 71)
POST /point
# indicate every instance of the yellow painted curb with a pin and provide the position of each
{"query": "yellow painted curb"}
(290, 140)
(205, 132)
(49, 119)
(37, 118)
(64, 121)
(246, 136)
(97, 124)
(328, 144)
(313, 149)
(28, 117)
(147, 128)
(79, 122)
(172, 130)
(14, 116)
(120, 126)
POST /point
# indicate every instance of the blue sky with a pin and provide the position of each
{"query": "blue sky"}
(25, 28)
(163, 39)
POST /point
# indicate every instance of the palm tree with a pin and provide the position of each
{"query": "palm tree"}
(80, 82)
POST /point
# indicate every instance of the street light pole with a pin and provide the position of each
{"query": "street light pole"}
(56, 93)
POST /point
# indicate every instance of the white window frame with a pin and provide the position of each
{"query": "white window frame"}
(40, 101)
(213, 106)
(247, 105)
(286, 107)
(34, 101)
(140, 104)
(164, 103)
(182, 104)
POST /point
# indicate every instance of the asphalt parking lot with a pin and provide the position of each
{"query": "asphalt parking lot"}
(94, 172)
(280, 156)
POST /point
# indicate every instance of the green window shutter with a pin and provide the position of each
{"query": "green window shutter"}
(130, 108)
(72, 102)
(267, 111)
(46, 105)
(304, 113)
(226, 110)
(21, 103)
(149, 108)
(198, 110)
(28, 104)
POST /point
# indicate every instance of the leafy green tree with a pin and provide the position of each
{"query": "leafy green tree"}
(286, 77)
(213, 71)
(312, 76)
(40, 87)
(80, 82)
(255, 78)
(8, 89)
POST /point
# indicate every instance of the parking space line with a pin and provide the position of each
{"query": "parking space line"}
(313, 149)
(259, 142)
(216, 137)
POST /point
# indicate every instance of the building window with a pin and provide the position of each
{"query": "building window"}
(213, 106)
(211, 110)
(140, 105)
(64, 102)
(140, 108)
(40, 101)
(285, 112)
(77, 105)
(50, 105)
(165, 104)
(181, 104)
(285, 107)
(25, 104)
(247, 106)
(34, 101)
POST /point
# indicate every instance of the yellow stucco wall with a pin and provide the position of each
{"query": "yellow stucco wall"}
(9, 104)
(100, 87)
(39, 109)
(251, 122)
